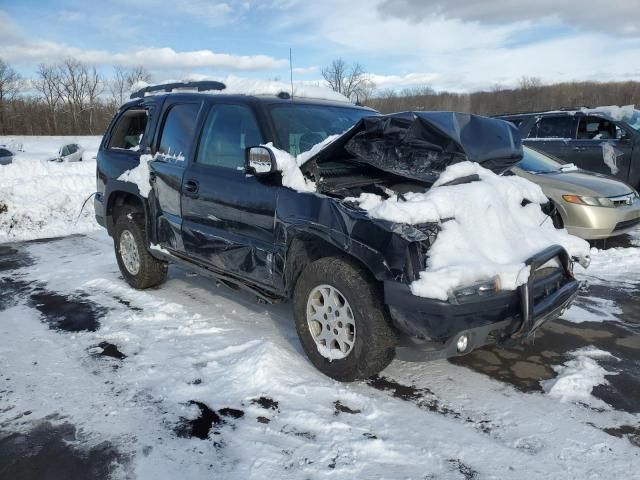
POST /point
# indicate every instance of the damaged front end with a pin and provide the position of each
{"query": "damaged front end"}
(391, 157)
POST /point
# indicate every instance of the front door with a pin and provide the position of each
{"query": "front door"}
(228, 216)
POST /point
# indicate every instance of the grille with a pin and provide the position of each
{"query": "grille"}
(627, 224)
(623, 200)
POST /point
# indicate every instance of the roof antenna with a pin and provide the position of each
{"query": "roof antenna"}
(291, 70)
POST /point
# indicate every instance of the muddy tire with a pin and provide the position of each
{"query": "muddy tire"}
(136, 264)
(341, 320)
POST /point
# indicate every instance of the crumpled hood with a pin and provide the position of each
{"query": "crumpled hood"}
(421, 145)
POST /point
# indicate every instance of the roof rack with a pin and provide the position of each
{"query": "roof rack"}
(529, 112)
(169, 87)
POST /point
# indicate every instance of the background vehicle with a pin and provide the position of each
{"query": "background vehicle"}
(589, 205)
(6, 156)
(71, 152)
(207, 194)
(604, 139)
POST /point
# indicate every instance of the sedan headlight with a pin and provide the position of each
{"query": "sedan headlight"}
(591, 201)
(485, 287)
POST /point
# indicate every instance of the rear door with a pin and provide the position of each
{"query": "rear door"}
(552, 134)
(228, 216)
(602, 146)
(173, 147)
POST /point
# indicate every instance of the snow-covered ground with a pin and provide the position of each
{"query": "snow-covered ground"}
(193, 380)
(41, 199)
(199, 356)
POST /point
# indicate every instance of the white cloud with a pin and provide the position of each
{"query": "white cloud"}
(407, 80)
(17, 48)
(463, 54)
(621, 17)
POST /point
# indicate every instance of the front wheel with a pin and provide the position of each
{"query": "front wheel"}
(136, 264)
(341, 320)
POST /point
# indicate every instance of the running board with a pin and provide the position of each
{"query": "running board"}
(224, 278)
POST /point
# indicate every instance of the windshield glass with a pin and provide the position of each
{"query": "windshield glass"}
(634, 120)
(536, 162)
(299, 127)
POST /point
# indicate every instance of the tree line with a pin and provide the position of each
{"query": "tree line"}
(65, 98)
(74, 98)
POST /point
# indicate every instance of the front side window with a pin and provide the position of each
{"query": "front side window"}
(228, 131)
(596, 128)
(555, 127)
(177, 132)
(299, 127)
(127, 133)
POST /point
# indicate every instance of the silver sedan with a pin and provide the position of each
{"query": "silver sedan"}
(589, 205)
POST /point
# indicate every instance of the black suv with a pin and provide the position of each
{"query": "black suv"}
(603, 139)
(184, 177)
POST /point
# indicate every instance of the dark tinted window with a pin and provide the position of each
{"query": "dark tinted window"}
(300, 127)
(5, 153)
(555, 127)
(227, 132)
(596, 128)
(178, 131)
(128, 132)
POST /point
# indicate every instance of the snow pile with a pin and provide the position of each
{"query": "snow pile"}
(252, 86)
(140, 175)
(577, 377)
(613, 111)
(485, 230)
(289, 165)
(40, 199)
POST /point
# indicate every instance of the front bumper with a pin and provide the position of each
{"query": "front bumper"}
(592, 223)
(431, 328)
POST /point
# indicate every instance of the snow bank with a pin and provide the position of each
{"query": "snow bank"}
(485, 230)
(577, 377)
(40, 199)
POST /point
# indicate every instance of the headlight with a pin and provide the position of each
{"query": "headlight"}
(591, 201)
(485, 287)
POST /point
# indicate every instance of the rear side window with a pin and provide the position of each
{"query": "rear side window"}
(177, 132)
(228, 131)
(555, 127)
(127, 133)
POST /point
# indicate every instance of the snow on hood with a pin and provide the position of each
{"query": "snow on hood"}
(486, 232)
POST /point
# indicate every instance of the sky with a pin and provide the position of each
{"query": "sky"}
(454, 45)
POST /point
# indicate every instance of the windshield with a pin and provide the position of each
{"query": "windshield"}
(299, 127)
(634, 120)
(536, 162)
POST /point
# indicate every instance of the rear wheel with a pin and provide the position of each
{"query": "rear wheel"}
(136, 264)
(341, 320)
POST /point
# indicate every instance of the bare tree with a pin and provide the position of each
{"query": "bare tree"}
(349, 80)
(10, 84)
(47, 83)
(124, 80)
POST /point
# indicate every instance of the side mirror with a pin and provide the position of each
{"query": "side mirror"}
(260, 161)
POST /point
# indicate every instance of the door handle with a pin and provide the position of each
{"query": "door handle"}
(152, 177)
(191, 186)
(578, 149)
